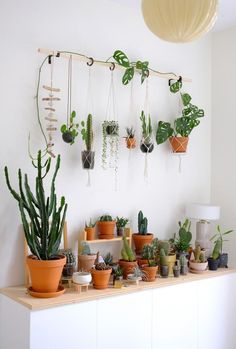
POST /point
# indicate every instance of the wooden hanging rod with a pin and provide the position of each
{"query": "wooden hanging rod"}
(89, 60)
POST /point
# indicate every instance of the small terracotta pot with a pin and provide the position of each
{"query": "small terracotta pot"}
(179, 144)
(141, 240)
(100, 278)
(127, 267)
(150, 273)
(142, 262)
(45, 274)
(130, 143)
(86, 261)
(90, 233)
(106, 229)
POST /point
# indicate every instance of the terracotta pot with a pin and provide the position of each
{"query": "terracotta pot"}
(130, 143)
(179, 144)
(86, 261)
(150, 273)
(127, 267)
(100, 278)
(106, 229)
(170, 261)
(45, 274)
(100, 236)
(90, 233)
(142, 262)
(141, 240)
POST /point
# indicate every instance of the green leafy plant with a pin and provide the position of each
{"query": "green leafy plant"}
(108, 258)
(87, 132)
(70, 132)
(126, 252)
(121, 222)
(148, 252)
(121, 58)
(90, 224)
(183, 242)
(218, 240)
(146, 123)
(142, 224)
(106, 218)
(42, 219)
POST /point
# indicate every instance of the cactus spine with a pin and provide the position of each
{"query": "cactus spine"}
(42, 221)
(142, 223)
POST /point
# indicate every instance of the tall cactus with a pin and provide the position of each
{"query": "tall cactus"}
(142, 223)
(126, 252)
(87, 132)
(42, 221)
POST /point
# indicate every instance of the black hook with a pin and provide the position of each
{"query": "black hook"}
(91, 61)
(58, 54)
(50, 59)
(180, 79)
(112, 66)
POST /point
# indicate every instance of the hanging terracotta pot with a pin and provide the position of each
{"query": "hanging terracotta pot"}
(130, 143)
(141, 240)
(45, 274)
(149, 273)
(101, 278)
(127, 267)
(106, 229)
(179, 144)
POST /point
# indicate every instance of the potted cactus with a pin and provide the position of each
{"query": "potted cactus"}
(214, 260)
(220, 236)
(128, 260)
(86, 259)
(88, 155)
(164, 266)
(167, 257)
(120, 225)
(142, 237)
(182, 243)
(101, 273)
(90, 230)
(150, 270)
(106, 226)
(147, 145)
(69, 267)
(130, 139)
(198, 262)
(43, 222)
(147, 254)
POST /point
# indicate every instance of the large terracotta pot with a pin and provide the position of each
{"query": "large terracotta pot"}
(130, 143)
(45, 274)
(100, 278)
(106, 229)
(149, 273)
(86, 261)
(90, 233)
(141, 240)
(127, 267)
(179, 144)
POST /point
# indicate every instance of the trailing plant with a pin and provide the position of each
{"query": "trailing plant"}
(126, 252)
(70, 132)
(90, 224)
(106, 218)
(142, 224)
(146, 127)
(87, 132)
(42, 219)
(110, 136)
(121, 222)
(218, 238)
(121, 58)
(182, 243)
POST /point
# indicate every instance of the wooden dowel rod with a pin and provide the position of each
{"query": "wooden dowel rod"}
(83, 58)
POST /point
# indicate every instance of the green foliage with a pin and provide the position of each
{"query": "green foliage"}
(118, 272)
(87, 132)
(216, 249)
(219, 236)
(199, 256)
(108, 259)
(85, 248)
(121, 58)
(130, 132)
(142, 224)
(126, 252)
(176, 86)
(162, 256)
(90, 224)
(164, 245)
(106, 218)
(42, 220)
(148, 252)
(121, 222)
(146, 127)
(70, 132)
(182, 243)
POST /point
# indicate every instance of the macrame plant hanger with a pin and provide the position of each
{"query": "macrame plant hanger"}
(111, 132)
(88, 155)
(130, 136)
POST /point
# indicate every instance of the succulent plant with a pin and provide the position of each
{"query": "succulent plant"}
(108, 259)
(85, 248)
(121, 222)
(87, 132)
(130, 132)
(102, 266)
(90, 224)
(106, 218)
(142, 224)
(182, 243)
(183, 261)
(126, 252)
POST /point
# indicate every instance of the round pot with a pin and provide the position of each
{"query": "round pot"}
(45, 274)
(213, 263)
(112, 130)
(147, 147)
(120, 231)
(130, 143)
(68, 269)
(150, 273)
(106, 229)
(127, 267)
(90, 233)
(67, 137)
(88, 159)
(141, 240)
(170, 261)
(164, 271)
(100, 278)
(179, 144)
(142, 262)
(223, 260)
(198, 266)
(81, 277)
(86, 262)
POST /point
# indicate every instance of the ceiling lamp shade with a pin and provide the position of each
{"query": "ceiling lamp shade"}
(179, 20)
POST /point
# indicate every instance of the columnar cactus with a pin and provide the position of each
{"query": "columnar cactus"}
(142, 223)
(165, 245)
(126, 252)
(87, 132)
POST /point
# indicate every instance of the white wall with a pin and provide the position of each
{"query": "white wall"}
(97, 28)
(223, 131)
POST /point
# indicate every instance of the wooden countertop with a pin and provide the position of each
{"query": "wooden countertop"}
(20, 295)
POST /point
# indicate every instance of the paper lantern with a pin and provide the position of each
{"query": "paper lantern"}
(179, 20)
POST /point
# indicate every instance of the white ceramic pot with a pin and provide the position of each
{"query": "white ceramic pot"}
(198, 266)
(81, 277)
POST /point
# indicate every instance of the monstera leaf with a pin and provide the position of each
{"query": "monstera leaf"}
(128, 75)
(121, 58)
(176, 86)
(164, 131)
(185, 125)
(186, 98)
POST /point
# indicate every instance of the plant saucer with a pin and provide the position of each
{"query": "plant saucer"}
(36, 294)
(194, 271)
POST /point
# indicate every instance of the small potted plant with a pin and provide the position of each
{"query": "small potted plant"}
(86, 259)
(214, 260)
(142, 237)
(136, 274)
(147, 145)
(88, 155)
(101, 275)
(120, 225)
(69, 267)
(167, 257)
(164, 267)
(176, 269)
(148, 253)
(128, 259)
(130, 139)
(118, 277)
(198, 262)
(150, 270)
(70, 132)
(220, 236)
(182, 243)
(90, 230)
(106, 226)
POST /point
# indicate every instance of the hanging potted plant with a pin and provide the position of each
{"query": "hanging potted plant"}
(142, 237)
(110, 143)
(43, 223)
(87, 135)
(130, 139)
(70, 131)
(147, 145)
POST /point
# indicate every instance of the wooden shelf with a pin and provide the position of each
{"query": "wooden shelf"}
(104, 240)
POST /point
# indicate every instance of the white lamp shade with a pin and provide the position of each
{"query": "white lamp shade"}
(204, 212)
(179, 20)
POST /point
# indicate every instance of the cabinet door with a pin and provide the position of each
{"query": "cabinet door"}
(175, 317)
(217, 309)
(125, 321)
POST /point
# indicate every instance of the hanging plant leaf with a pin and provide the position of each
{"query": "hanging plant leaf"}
(121, 58)
(63, 128)
(176, 86)
(185, 125)
(200, 113)
(73, 114)
(128, 75)
(139, 65)
(144, 74)
(164, 131)
(186, 98)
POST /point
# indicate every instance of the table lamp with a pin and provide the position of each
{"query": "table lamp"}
(205, 214)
